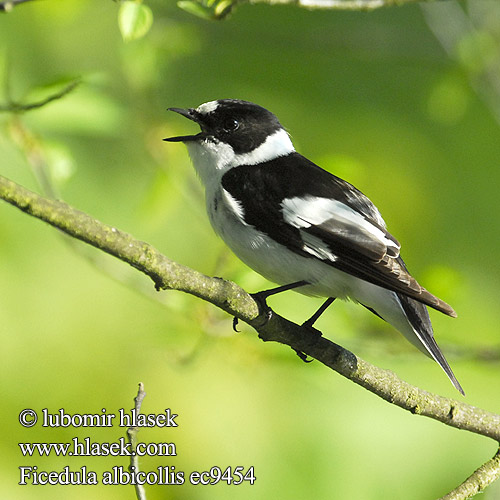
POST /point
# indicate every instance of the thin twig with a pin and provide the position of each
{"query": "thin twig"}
(332, 4)
(477, 481)
(132, 439)
(354, 5)
(16, 107)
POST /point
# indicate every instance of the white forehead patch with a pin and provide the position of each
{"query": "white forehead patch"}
(208, 107)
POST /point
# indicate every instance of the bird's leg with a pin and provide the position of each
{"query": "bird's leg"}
(309, 325)
(327, 303)
(261, 297)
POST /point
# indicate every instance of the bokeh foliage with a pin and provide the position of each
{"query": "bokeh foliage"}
(374, 98)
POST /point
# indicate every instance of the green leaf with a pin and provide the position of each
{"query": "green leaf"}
(223, 9)
(134, 19)
(196, 9)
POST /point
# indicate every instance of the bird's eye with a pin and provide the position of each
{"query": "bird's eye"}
(230, 125)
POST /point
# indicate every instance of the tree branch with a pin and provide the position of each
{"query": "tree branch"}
(10, 4)
(15, 107)
(167, 274)
(220, 9)
(336, 4)
(478, 481)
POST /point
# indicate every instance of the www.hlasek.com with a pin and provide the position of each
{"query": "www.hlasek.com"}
(87, 448)
(163, 475)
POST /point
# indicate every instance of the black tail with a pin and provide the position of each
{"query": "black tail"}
(418, 316)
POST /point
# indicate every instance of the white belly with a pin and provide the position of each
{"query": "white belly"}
(281, 265)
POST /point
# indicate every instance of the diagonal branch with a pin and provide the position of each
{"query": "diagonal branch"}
(15, 107)
(478, 481)
(167, 274)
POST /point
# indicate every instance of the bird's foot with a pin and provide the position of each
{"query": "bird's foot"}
(264, 310)
(315, 336)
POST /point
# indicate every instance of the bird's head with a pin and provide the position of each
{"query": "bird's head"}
(234, 132)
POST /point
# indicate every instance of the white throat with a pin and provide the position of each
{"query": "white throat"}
(211, 159)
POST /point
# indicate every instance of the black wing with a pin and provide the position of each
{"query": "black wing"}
(319, 215)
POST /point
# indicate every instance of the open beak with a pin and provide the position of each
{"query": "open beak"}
(190, 114)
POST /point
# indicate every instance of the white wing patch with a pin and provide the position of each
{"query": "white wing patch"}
(307, 211)
(234, 206)
(315, 246)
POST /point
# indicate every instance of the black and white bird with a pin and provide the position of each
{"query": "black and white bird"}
(300, 226)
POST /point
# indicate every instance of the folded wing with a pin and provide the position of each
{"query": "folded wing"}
(324, 217)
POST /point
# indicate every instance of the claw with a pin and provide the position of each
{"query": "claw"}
(235, 324)
(264, 309)
(303, 356)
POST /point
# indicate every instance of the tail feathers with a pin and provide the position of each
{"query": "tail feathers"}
(419, 293)
(418, 318)
(426, 297)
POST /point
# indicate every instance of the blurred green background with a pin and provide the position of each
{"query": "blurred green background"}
(393, 101)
